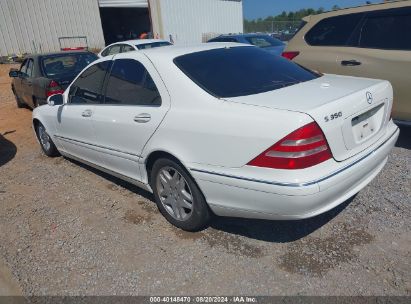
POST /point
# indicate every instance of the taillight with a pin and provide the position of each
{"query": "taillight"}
(290, 55)
(53, 88)
(303, 148)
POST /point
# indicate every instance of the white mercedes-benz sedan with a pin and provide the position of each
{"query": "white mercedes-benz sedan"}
(223, 129)
(132, 45)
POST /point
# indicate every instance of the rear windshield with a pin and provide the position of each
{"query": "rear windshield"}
(66, 64)
(241, 71)
(152, 45)
(264, 41)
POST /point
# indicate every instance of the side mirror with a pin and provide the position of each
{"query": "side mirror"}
(55, 100)
(14, 73)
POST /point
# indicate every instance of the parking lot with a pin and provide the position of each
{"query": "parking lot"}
(67, 229)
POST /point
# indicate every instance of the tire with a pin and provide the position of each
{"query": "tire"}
(46, 143)
(18, 102)
(35, 103)
(178, 197)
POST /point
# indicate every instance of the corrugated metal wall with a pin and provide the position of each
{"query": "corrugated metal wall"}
(35, 25)
(189, 20)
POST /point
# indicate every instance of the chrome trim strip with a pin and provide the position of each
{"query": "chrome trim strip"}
(130, 180)
(302, 142)
(296, 154)
(93, 145)
(306, 184)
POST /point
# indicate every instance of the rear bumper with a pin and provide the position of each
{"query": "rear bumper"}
(234, 196)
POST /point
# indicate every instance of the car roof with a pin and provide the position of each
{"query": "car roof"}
(174, 51)
(145, 41)
(138, 41)
(359, 9)
(242, 35)
(57, 53)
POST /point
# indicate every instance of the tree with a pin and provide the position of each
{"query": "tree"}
(284, 21)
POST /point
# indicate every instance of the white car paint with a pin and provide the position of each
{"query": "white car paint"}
(133, 43)
(215, 138)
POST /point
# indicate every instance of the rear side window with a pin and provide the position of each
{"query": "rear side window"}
(240, 71)
(88, 86)
(131, 84)
(333, 31)
(387, 31)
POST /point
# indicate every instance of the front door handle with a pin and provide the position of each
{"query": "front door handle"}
(142, 118)
(87, 113)
(350, 62)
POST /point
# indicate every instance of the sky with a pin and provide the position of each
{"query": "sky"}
(254, 9)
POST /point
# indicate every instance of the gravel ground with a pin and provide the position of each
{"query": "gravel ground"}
(67, 229)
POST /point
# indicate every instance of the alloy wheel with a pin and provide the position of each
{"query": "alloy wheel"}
(174, 193)
(44, 138)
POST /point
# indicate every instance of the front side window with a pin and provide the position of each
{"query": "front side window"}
(387, 31)
(105, 52)
(29, 71)
(23, 67)
(131, 84)
(333, 31)
(241, 71)
(88, 86)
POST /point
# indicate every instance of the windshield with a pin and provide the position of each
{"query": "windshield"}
(264, 41)
(241, 71)
(66, 64)
(152, 45)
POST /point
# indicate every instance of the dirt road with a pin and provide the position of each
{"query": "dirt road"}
(69, 230)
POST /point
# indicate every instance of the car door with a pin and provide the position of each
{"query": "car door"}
(327, 43)
(17, 81)
(384, 52)
(74, 128)
(136, 101)
(27, 83)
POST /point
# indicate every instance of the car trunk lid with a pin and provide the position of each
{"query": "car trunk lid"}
(352, 112)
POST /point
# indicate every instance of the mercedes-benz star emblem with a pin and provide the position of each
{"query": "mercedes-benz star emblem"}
(369, 97)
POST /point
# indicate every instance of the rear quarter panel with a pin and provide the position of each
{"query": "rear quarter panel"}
(202, 129)
(221, 133)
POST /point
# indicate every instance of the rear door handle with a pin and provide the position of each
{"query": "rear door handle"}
(350, 62)
(87, 113)
(142, 118)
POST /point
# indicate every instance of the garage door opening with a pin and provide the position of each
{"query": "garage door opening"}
(120, 23)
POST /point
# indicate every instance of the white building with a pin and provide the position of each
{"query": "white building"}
(28, 26)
